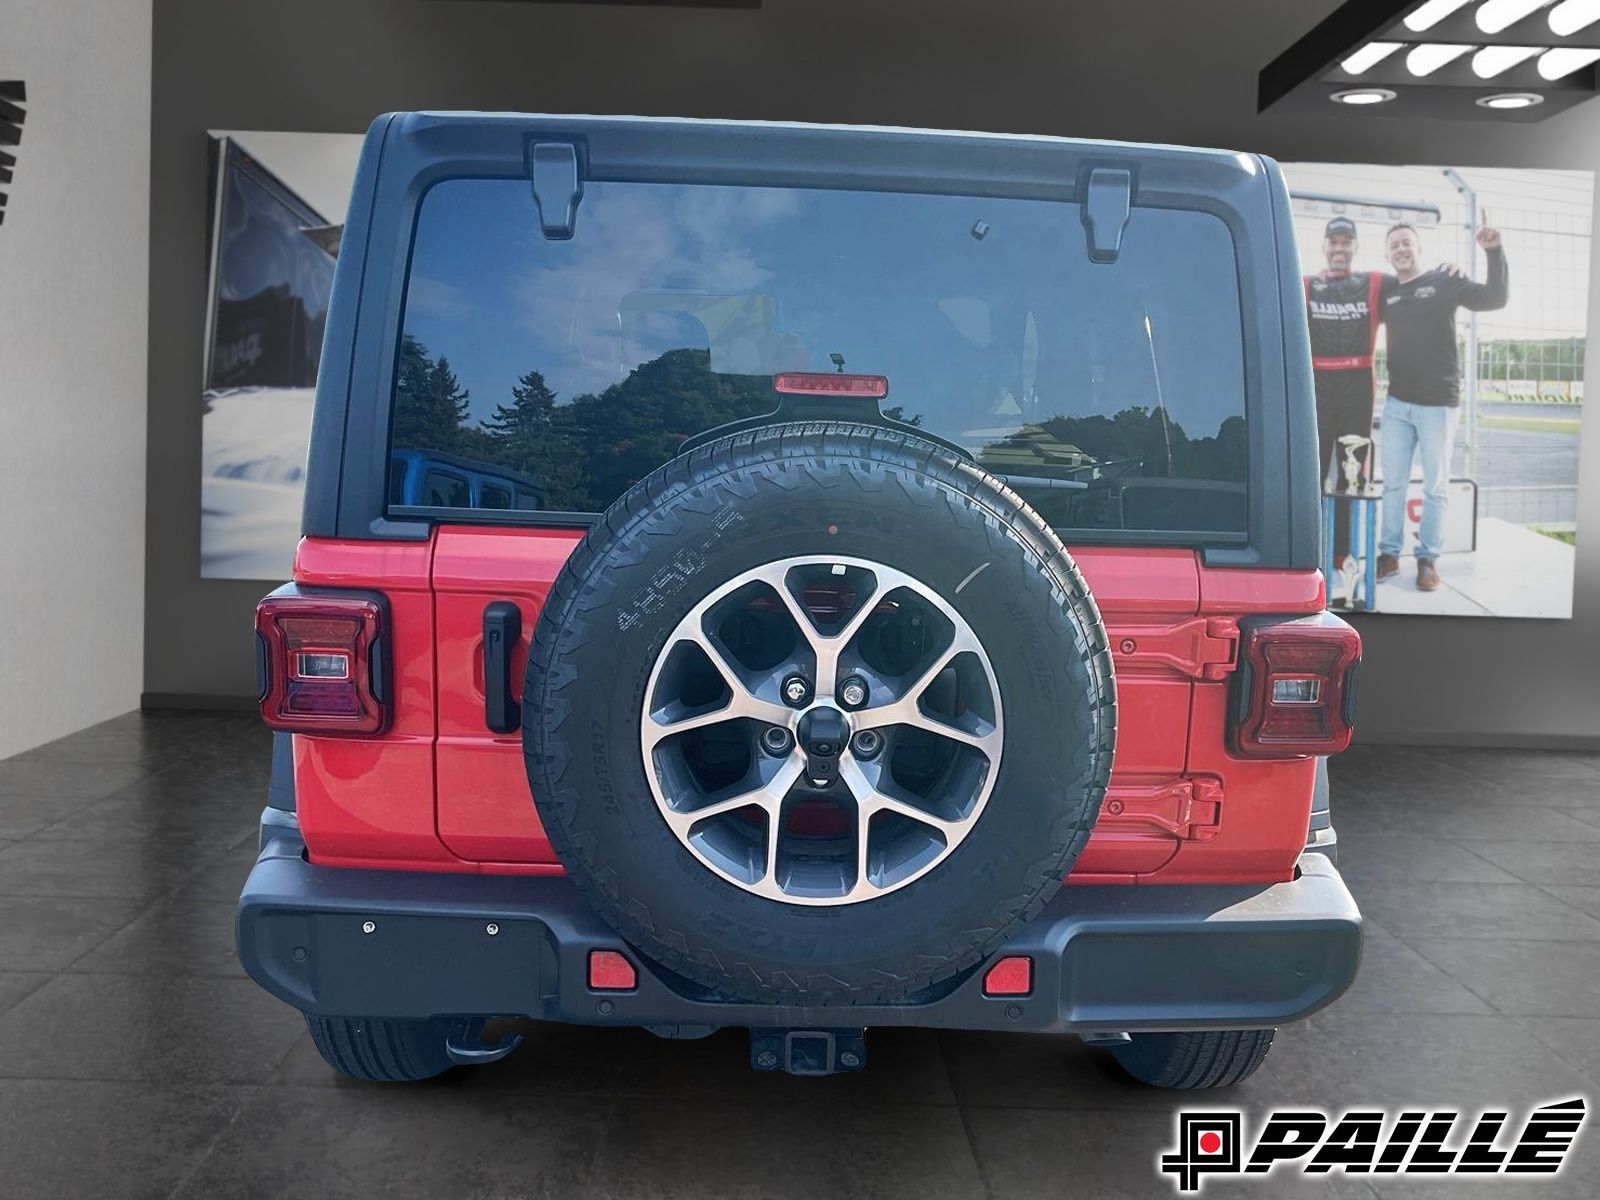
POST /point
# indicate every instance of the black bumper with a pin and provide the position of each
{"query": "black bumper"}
(1105, 958)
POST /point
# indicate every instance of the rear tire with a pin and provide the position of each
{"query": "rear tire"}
(381, 1050)
(1208, 1059)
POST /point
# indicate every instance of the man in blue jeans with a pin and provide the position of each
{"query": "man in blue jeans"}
(1419, 415)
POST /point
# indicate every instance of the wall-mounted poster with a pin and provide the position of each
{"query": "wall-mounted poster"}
(277, 208)
(1448, 309)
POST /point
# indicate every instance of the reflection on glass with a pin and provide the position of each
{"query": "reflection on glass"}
(1110, 395)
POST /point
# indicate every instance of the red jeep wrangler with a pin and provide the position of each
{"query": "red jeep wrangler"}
(748, 568)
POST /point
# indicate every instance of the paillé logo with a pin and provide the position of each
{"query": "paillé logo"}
(1374, 1141)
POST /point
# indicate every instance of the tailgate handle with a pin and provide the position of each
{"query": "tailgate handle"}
(502, 627)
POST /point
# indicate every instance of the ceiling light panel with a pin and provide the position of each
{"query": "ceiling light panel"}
(1573, 16)
(1442, 59)
(1495, 16)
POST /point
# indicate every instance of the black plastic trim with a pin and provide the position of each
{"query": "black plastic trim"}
(280, 788)
(502, 627)
(1105, 957)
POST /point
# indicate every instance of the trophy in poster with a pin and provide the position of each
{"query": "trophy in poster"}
(1353, 448)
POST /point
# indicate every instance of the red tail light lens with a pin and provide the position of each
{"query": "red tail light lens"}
(821, 383)
(1297, 687)
(320, 661)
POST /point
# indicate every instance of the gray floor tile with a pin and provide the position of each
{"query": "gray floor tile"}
(174, 807)
(14, 985)
(1585, 898)
(830, 1152)
(224, 878)
(1345, 1059)
(1464, 821)
(1474, 910)
(1394, 978)
(431, 1140)
(135, 870)
(1035, 1070)
(23, 816)
(1028, 1154)
(1537, 979)
(1414, 858)
(1500, 765)
(178, 936)
(1576, 1039)
(70, 778)
(163, 1030)
(40, 933)
(96, 1139)
(1540, 862)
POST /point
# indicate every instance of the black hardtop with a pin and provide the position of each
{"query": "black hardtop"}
(407, 153)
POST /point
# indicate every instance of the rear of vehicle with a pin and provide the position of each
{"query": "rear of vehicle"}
(960, 536)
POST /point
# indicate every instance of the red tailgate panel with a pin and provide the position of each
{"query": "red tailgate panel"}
(485, 810)
(1180, 807)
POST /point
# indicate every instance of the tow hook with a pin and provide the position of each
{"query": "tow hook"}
(808, 1051)
(464, 1044)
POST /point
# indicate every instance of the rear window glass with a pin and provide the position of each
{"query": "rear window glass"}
(1111, 395)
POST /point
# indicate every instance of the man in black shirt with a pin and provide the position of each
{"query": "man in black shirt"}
(1419, 415)
(1342, 312)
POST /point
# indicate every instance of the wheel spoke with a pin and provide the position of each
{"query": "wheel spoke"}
(907, 708)
(828, 647)
(768, 797)
(871, 799)
(742, 701)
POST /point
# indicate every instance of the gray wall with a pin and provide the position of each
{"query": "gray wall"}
(1169, 71)
(72, 365)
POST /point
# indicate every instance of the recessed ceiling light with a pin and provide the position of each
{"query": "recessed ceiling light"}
(1564, 60)
(1495, 15)
(1493, 60)
(1570, 16)
(1504, 100)
(1369, 56)
(1431, 13)
(1430, 56)
(1363, 96)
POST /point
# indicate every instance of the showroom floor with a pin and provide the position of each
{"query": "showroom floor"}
(136, 1059)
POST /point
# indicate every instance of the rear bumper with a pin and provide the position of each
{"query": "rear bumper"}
(1105, 958)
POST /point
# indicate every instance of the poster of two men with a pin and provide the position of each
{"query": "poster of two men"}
(1449, 389)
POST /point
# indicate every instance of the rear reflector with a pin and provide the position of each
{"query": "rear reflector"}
(822, 383)
(321, 664)
(609, 971)
(1297, 687)
(1011, 976)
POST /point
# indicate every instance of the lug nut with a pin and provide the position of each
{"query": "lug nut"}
(867, 743)
(775, 740)
(853, 692)
(796, 690)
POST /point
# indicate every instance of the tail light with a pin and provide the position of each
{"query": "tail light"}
(1297, 687)
(320, 663)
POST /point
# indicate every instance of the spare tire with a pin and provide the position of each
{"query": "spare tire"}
(819, 713)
